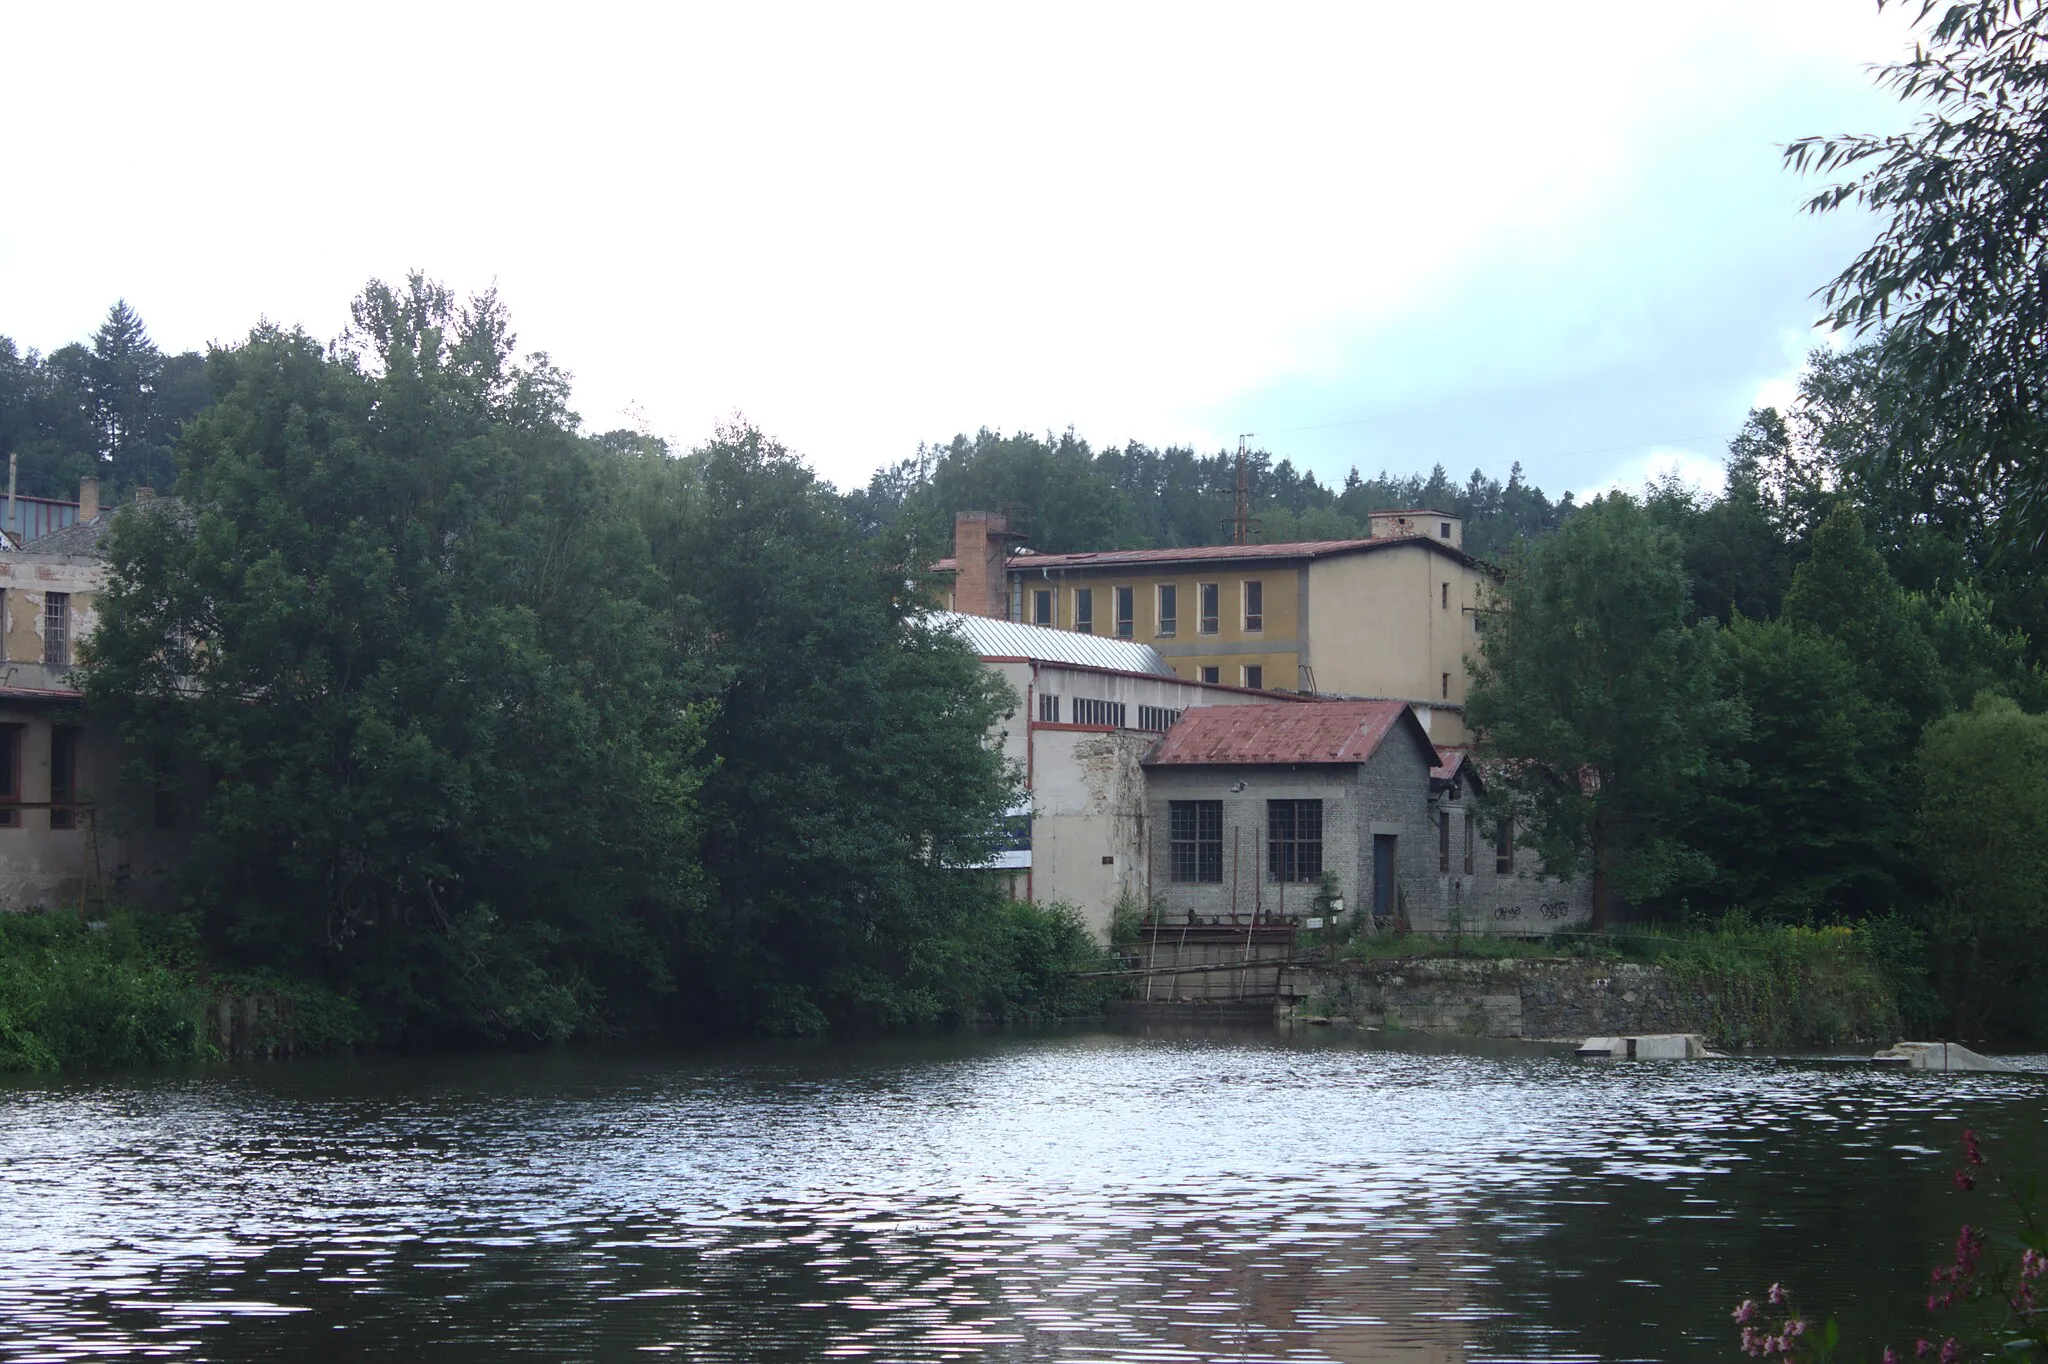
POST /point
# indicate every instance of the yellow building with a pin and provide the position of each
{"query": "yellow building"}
(1394, 616)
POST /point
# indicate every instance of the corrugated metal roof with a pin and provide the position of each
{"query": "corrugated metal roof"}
(992, 638)
(1326, 732)
(1450, 759)
(1025, 564)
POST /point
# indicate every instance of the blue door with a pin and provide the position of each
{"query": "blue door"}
(1383, 876)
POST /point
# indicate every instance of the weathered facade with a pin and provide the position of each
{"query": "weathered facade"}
(1391, 616)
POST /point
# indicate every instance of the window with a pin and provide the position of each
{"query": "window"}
(1211, 595)
(1212, 675)
(1504, 848)
(1255, 676)
(1195, 838)
(1443, 530)
(1447, 597)
(1443, 840)
(10, 776)
(57, 628)
(63, 777)
(1126, 612)
(1447, 686)
(1254, 606)
(1294, 840)
(1169, 608)
(1468, 845)
(1158, 719)
(1084, 610)
(1041, 606)
(1049, 708)
(1088, 711)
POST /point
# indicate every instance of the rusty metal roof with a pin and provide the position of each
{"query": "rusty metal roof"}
(1324, 732)
(1451, 757)
(991, 638)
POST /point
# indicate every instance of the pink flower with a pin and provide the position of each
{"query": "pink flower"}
(2032, 1264)
(1890, 1356)
(1921, 1348)
(1971, 1151)
(1745, 1311)
(1795, 1327)
(1778, 1295)
(1965, 1180)
(1951, 1351)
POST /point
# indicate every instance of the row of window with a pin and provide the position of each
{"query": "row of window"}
(1294, 841)
(1090, 711)
(1251, 596)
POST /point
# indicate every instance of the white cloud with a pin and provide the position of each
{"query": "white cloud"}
(1707, 474)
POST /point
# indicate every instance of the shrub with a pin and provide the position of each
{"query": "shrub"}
(118, 991)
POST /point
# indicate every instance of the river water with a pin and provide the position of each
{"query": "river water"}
(1075, 1195)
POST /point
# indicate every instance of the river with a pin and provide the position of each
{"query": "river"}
(1084, 1194)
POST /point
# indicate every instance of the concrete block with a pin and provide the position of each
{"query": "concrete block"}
(1942, 1056)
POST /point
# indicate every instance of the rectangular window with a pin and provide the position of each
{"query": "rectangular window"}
(1169, 608)
(1447, 597)
(1254, 606)
(1041, 606)
(1158, 719)
(1212, 675)
(1294, 840)
(1468, 845)
(1126, 612)
(1195, 837)
(1049, 708)
(1504, 848)
(1084, 610)
(1443, 530)
(1447, 686)
(1255, 676)
(10, 776)
(1443, 840)
(1211, 595)
(63, 777)
(57, 629)
(1088, 711)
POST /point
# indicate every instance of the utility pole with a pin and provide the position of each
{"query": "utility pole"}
(1241, 520)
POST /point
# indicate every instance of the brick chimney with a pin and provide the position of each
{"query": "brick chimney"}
(981, 587)
(88, 498)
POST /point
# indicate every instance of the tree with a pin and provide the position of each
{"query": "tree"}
(1597, 705)
(401, 621)
(1953, 284)
(1983, 821)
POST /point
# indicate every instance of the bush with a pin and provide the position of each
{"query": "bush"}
(119, 991)
(1013, 963)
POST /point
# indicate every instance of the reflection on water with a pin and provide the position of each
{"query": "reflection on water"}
(1084, 1196)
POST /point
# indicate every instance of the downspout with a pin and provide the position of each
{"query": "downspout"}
(1030, 777)
(13, 526)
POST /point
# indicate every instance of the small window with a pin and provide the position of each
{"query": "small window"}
(1443, 530)
(1088, 711)
(63, 777)
(1255, 676)
(1084, 610)
(1049, 708)
(1126, 612)
(1195, 840)
(1254, 606)
(57, 629)
(1443, 841)
(1504, 848)
(1157, 719)
(1211, 596)
(1041, 606)
(1447, 686)
(10, 776)
(1446, 602)
(1468, 845)
(1169, 608)
(1294, 840)
(1212, 675)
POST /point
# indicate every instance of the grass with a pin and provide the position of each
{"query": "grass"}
(110, 992)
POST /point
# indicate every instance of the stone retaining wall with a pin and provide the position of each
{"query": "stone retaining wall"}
(1547, 998)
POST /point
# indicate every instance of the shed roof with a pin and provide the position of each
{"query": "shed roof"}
(991, 638)
(1027, 562)
(1325, 732)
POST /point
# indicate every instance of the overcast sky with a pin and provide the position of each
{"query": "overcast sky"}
(1377, 234)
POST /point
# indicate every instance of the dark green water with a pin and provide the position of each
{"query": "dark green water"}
(1087, 1195)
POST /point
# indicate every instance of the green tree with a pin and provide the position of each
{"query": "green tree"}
(1844, 590)
(1598, 705)
(1983, 821)
(852, 781)
(1953, 283)
(401, 622)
